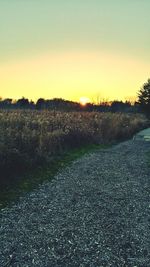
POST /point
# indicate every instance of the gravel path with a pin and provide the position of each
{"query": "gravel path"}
(95, 213)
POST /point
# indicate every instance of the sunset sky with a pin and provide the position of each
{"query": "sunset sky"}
(74, 48)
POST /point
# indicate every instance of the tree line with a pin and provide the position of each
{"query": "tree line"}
(66, 105)
(142, 104)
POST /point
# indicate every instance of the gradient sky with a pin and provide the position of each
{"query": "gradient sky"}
(74, 48)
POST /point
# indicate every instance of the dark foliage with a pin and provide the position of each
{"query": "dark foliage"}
(59, 104)
(144, 98)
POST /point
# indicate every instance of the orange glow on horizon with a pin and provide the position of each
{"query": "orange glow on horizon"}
(69, 74)
(84, 100)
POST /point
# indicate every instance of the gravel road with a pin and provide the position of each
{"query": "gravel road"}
(95, 213)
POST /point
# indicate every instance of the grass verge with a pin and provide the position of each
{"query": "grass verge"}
(148, 158)
(11, 192)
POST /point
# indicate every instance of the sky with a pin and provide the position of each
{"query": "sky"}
(68, 49)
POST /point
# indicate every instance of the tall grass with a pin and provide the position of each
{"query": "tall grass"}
(31, 138)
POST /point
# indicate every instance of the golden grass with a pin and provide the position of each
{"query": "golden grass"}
(29, 138)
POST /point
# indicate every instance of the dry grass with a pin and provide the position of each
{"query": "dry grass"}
(30, 138)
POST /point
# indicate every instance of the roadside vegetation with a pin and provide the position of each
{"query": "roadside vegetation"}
(32, 139)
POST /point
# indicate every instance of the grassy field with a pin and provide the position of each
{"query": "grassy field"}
(29, 139)
(34, 145)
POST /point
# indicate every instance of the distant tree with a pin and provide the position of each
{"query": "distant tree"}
(22, 103)
(7, 101)
(144, 97)
(31, 104)
(120, 106)
(41, 103)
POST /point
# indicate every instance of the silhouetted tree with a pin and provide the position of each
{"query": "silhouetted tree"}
(120, 106)
(41, 103)
(144, 97)
(6, 103)
(22, 103)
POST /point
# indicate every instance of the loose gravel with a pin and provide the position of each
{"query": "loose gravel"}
(95, 213)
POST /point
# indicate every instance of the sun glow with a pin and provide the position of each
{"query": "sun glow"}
(84, 100)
